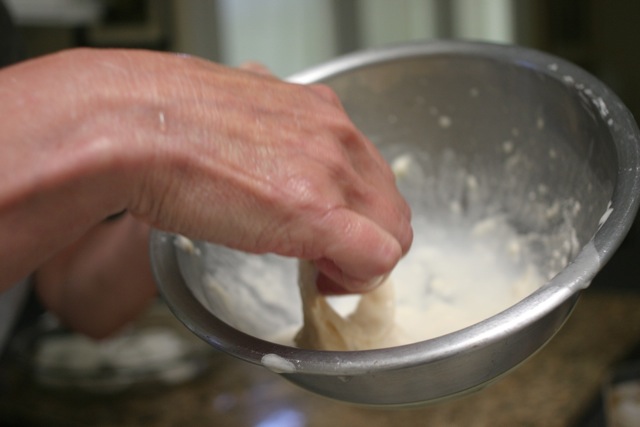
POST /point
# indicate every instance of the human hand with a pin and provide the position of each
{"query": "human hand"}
(283, 170)
(234, 157)
(102, 281)
(324, 283)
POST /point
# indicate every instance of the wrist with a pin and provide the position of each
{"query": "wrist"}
(64, 163)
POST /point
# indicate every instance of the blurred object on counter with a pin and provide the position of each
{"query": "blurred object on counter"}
(155, 350)
(622, 395)
(56, 12)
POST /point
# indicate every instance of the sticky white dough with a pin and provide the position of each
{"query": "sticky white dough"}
(370, 325)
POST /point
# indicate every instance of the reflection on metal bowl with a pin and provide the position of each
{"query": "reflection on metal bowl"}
(549, 147)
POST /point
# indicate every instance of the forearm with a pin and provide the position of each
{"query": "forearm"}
(60, 172)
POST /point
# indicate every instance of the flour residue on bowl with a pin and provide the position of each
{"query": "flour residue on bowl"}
(452, 277)
(459, 271)
(480, 247)
(277, 364)
(455, 277)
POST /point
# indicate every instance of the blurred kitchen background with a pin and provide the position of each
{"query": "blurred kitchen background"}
(290, 35)
(561, 386)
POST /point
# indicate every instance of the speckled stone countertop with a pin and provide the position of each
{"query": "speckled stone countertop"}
(553, 388)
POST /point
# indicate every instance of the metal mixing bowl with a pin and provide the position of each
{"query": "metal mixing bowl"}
(549, 147)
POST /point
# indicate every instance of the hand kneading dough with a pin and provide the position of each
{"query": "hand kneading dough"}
(371, 325)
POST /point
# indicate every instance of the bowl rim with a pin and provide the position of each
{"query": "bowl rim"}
(573, 278)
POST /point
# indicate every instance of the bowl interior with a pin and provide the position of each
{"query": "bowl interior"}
(475, 132)
(479, 138)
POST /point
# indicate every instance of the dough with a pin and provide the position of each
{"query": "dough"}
(371, 325)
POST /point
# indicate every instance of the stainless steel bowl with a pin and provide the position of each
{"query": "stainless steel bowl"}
(455, 106)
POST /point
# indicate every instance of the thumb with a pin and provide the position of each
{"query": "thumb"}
(357, 255)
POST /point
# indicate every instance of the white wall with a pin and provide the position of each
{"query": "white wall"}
(285, 35)
(290, 35)
(383, 21)
(489, 20)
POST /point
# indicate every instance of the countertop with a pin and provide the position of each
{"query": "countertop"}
(558, 386)
(553, 388)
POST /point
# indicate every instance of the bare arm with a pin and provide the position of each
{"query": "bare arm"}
(192, 147)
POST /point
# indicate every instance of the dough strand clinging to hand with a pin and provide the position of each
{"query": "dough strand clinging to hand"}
(371, 325)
